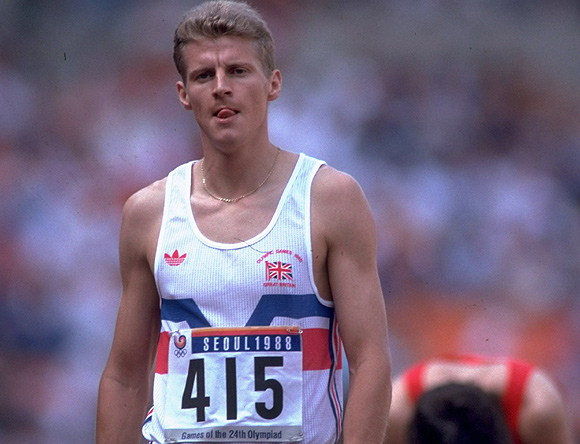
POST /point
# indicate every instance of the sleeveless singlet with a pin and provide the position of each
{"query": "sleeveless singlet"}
(517, 377)
(264, 281)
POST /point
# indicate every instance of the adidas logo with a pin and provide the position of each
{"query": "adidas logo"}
(175, 259)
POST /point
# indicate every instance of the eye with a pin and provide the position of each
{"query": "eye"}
(238, 71)
(204, 75)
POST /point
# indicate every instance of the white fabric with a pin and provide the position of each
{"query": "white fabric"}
(265, 281)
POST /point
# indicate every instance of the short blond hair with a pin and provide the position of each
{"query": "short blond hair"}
(218, 18)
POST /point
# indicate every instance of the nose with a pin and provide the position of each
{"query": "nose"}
(222, 85)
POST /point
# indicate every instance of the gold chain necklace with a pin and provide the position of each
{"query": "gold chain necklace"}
(235, 199)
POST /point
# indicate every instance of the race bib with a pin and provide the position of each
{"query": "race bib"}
(234, 384)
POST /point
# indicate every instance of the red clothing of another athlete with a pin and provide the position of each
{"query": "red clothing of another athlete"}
(517, 378)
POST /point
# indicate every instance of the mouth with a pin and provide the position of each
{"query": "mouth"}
(225, 113)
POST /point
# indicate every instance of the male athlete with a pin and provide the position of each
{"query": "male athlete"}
(532, 407)
(245, 273)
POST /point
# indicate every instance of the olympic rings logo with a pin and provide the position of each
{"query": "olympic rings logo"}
(180, 353)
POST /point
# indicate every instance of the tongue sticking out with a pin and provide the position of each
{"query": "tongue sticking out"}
(225, 113)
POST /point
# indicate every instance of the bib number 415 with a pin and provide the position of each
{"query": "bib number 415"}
(219, 380)
(195, 394)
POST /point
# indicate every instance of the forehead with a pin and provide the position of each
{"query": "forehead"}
(222, 50)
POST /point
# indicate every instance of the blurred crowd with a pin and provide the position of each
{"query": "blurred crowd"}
(460, 119)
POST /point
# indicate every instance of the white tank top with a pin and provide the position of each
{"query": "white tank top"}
(264, 281)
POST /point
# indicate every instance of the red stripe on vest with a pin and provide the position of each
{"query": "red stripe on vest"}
(414, 381)
(519, 373)
(163, 353)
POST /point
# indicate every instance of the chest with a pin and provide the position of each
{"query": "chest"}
(233, 223)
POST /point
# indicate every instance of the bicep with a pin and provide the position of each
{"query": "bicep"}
(350, 235)
(138, 318)
(137, 327)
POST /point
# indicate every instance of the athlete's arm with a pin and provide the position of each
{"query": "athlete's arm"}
(340, 207)
(543, 416)
(124, 391)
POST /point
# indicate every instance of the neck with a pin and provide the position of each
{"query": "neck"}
(231, 148)
(235, 175)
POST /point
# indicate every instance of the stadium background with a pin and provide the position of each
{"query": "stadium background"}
(460, 119)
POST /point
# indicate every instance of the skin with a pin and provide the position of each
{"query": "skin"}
(542, 416)
(228, 93)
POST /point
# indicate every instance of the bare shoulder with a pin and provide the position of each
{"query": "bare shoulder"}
(543, 415)
(142, 214)
(401, 405)
(339, 201)
(400, 413)
(332, 183)
(147, 201)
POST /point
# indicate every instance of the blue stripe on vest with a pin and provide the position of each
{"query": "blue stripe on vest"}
(269, 307)
(178, 310)
(288, 306)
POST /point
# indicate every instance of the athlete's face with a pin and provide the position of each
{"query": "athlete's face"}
(227, 89)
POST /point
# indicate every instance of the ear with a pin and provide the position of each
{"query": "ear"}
(275, 85)
(183, 97)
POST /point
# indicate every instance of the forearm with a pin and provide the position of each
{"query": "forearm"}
(120, 412)
(369, 400)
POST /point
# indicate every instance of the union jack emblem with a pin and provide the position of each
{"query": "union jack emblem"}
(279, 271)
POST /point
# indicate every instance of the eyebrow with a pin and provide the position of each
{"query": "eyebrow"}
(232, 64)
